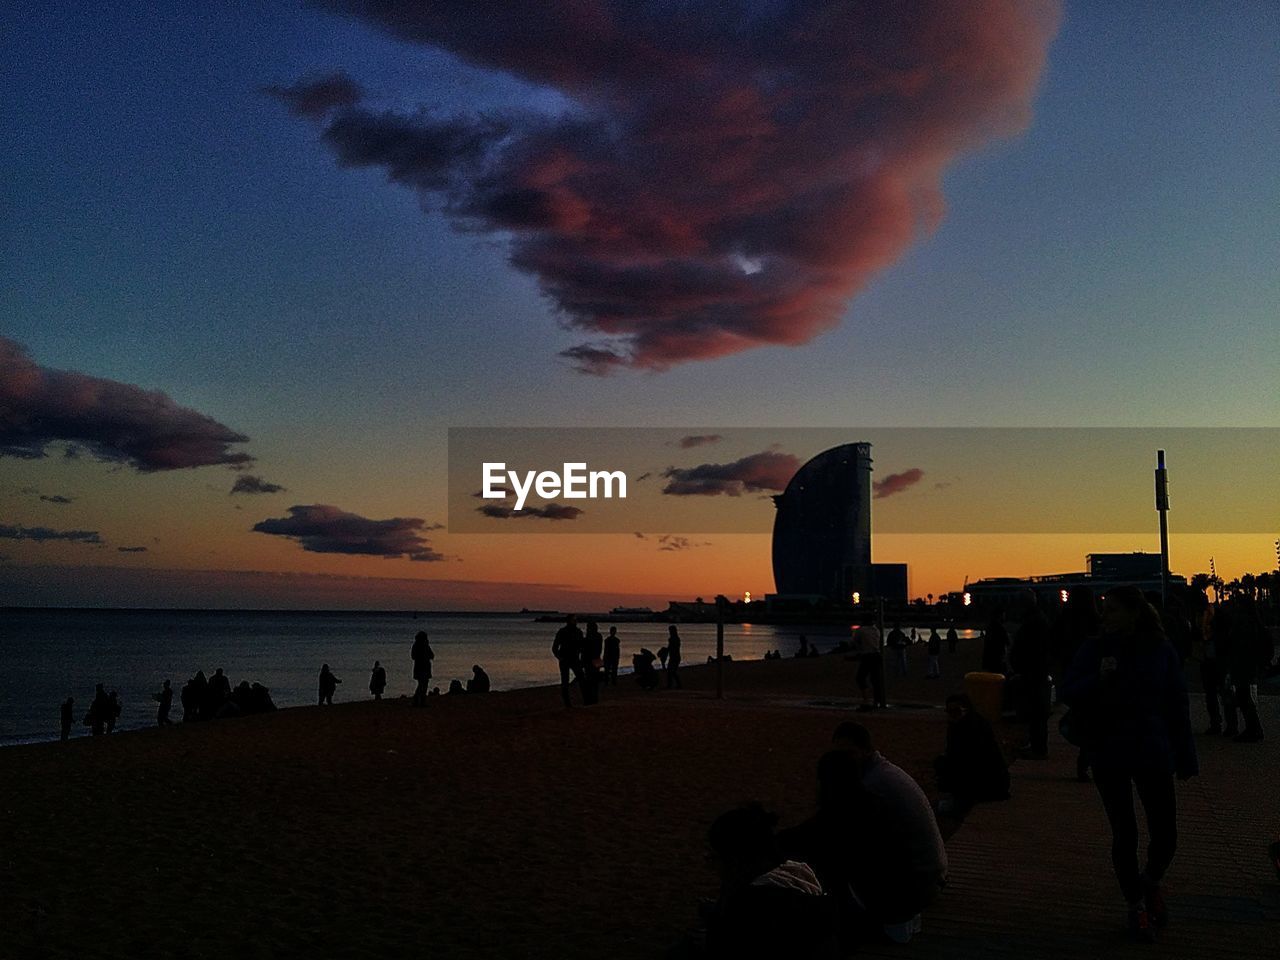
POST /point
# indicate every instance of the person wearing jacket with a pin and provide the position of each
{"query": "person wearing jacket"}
(1129, 687)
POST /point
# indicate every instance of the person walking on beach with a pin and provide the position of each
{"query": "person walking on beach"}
(866, 648)
(165, 700)
(66, 716)
(422, 655)
(673, 658)
(612, 656)
(378, 680)
(567, 649)
(328, 685)
(933, 647)
(592, 663)
(1132, 695)
(1029, 659)
(1248, 651)
(952, 639)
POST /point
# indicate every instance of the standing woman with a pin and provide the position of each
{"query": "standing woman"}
(673, 658)
(422, 655)
(1132, 697)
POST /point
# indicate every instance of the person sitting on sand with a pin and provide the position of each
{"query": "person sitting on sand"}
(909, 817)
(768, 907)
(456, 687)
(328, 685)
(66, 717)
(856, 854)
(378, 680)
(479, 682)
(972, 769)
(643, 669)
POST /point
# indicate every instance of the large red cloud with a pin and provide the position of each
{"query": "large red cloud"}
(731, 173)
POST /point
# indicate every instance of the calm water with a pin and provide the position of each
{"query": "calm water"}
(46, 656)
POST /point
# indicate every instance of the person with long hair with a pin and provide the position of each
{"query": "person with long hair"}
(1129, 688)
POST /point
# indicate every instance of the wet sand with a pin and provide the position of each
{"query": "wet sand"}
(495, 826)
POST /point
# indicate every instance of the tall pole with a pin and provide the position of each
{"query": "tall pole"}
(721, 603)
(1162, 507)
(884, 696)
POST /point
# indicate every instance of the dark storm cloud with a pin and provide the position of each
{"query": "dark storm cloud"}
(552, 511)
(112, 421)
(316, 97)
(48, 535)
(768, 470)
(893, 483)
(698, 440)
(132, 549)
(247, 483)
(727, 175)
(56, 498)
(319, 528)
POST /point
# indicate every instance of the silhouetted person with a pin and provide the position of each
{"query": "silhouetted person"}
(768, 907)
(673, 658)
(66, 715)
(592, 663)
(643, 670)
(1210, 665)
(856, 853)
(1078, 622)
(1248, 651)
(953, 638)
(113, 711)
(422, 655)
(866, 647)
(1029, 659)
(898, 643)
(567, 649)
(378, 680)
(612, 656)
(908, 817)
(995, 644)
(479, 682)
(662, 656)
(328, 685)
(218, 693)
(455, 686)
(972, 769)
(165, 700)
(1129, 685)
(99, 707)
(804, 647)
(199, 695)
(933, 647)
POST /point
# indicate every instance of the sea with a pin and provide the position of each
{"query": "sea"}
(49, 655)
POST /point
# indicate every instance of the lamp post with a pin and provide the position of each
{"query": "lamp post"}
(1162, 507)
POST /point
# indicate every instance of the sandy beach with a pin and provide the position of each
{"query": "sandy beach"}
(476, 827)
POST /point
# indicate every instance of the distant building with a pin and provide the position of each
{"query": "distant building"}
(822, 532)
(1106, 570)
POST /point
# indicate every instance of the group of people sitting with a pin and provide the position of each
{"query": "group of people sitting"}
(862, 868)
(212, 698)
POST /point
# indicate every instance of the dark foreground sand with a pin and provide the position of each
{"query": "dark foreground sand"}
(498, 826)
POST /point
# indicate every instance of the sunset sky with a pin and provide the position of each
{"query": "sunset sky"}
(329, 232)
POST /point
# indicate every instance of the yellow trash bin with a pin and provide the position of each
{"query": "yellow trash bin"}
(986, 690)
